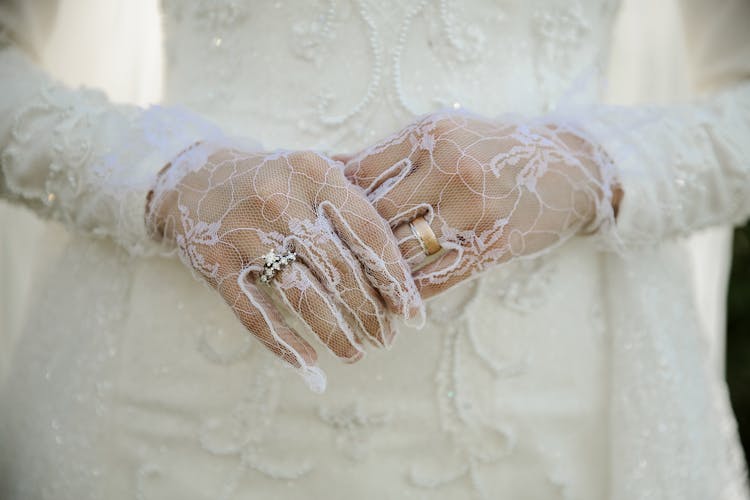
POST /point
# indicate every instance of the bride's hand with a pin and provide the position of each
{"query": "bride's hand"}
(226, 209)
(490, 191)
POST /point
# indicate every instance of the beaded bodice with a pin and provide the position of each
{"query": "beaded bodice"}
(336, 74)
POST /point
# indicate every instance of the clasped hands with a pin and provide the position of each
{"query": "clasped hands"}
(333, 236)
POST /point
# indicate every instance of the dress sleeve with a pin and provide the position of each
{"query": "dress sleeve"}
(71, 154)
(687, 167)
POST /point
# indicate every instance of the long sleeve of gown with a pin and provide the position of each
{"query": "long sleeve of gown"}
(687, 167)
(72, 155)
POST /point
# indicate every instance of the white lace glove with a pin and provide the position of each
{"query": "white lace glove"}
(491, 190)
(226, 209)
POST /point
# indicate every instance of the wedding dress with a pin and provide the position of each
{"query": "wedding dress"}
(580, 374)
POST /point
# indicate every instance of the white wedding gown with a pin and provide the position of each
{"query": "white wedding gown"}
(582, 374)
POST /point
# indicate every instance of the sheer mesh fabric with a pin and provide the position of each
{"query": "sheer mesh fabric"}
(683, 169)
(492, 190)
(225, 209)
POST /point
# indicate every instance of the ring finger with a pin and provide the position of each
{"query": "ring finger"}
(412, 245)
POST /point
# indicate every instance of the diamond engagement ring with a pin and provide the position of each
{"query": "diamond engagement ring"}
(272, 263)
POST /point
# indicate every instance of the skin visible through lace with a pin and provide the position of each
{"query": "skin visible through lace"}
(492, 191)
(226, 208)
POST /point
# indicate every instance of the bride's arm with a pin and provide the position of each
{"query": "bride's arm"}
(687, 167)
(71, 154)
(495, 190)
(74, 156)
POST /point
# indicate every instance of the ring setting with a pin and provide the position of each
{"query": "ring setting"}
(273, 263)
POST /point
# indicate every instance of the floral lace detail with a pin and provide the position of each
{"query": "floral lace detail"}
(457, 42)
(524, 286)
(562, 37)
(197, 234)
(476, 439)
(225, 207)
(353, 427)
(99, 160)
(534, 52)
(536, 185)
(246, 432)
(311, 38)
(222, 347)
(461, 42)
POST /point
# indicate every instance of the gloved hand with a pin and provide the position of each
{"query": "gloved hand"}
(335, 261)
(490, 190)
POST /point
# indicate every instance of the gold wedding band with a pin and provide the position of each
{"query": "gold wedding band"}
(425, 235)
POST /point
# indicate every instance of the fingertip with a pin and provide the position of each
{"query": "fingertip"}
(429, 288)
(389, 336)
(315, 378)
(357, 356)
(413, 308)
(383, 337)
(417, 318)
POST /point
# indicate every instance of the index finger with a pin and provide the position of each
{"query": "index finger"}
(390, 158)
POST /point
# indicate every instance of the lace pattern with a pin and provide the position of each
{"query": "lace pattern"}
(76, 158)
(492, 190)
(518, 56)
(224, 208)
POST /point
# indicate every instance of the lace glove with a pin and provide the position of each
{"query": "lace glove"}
(491, 191)
(226, 208)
